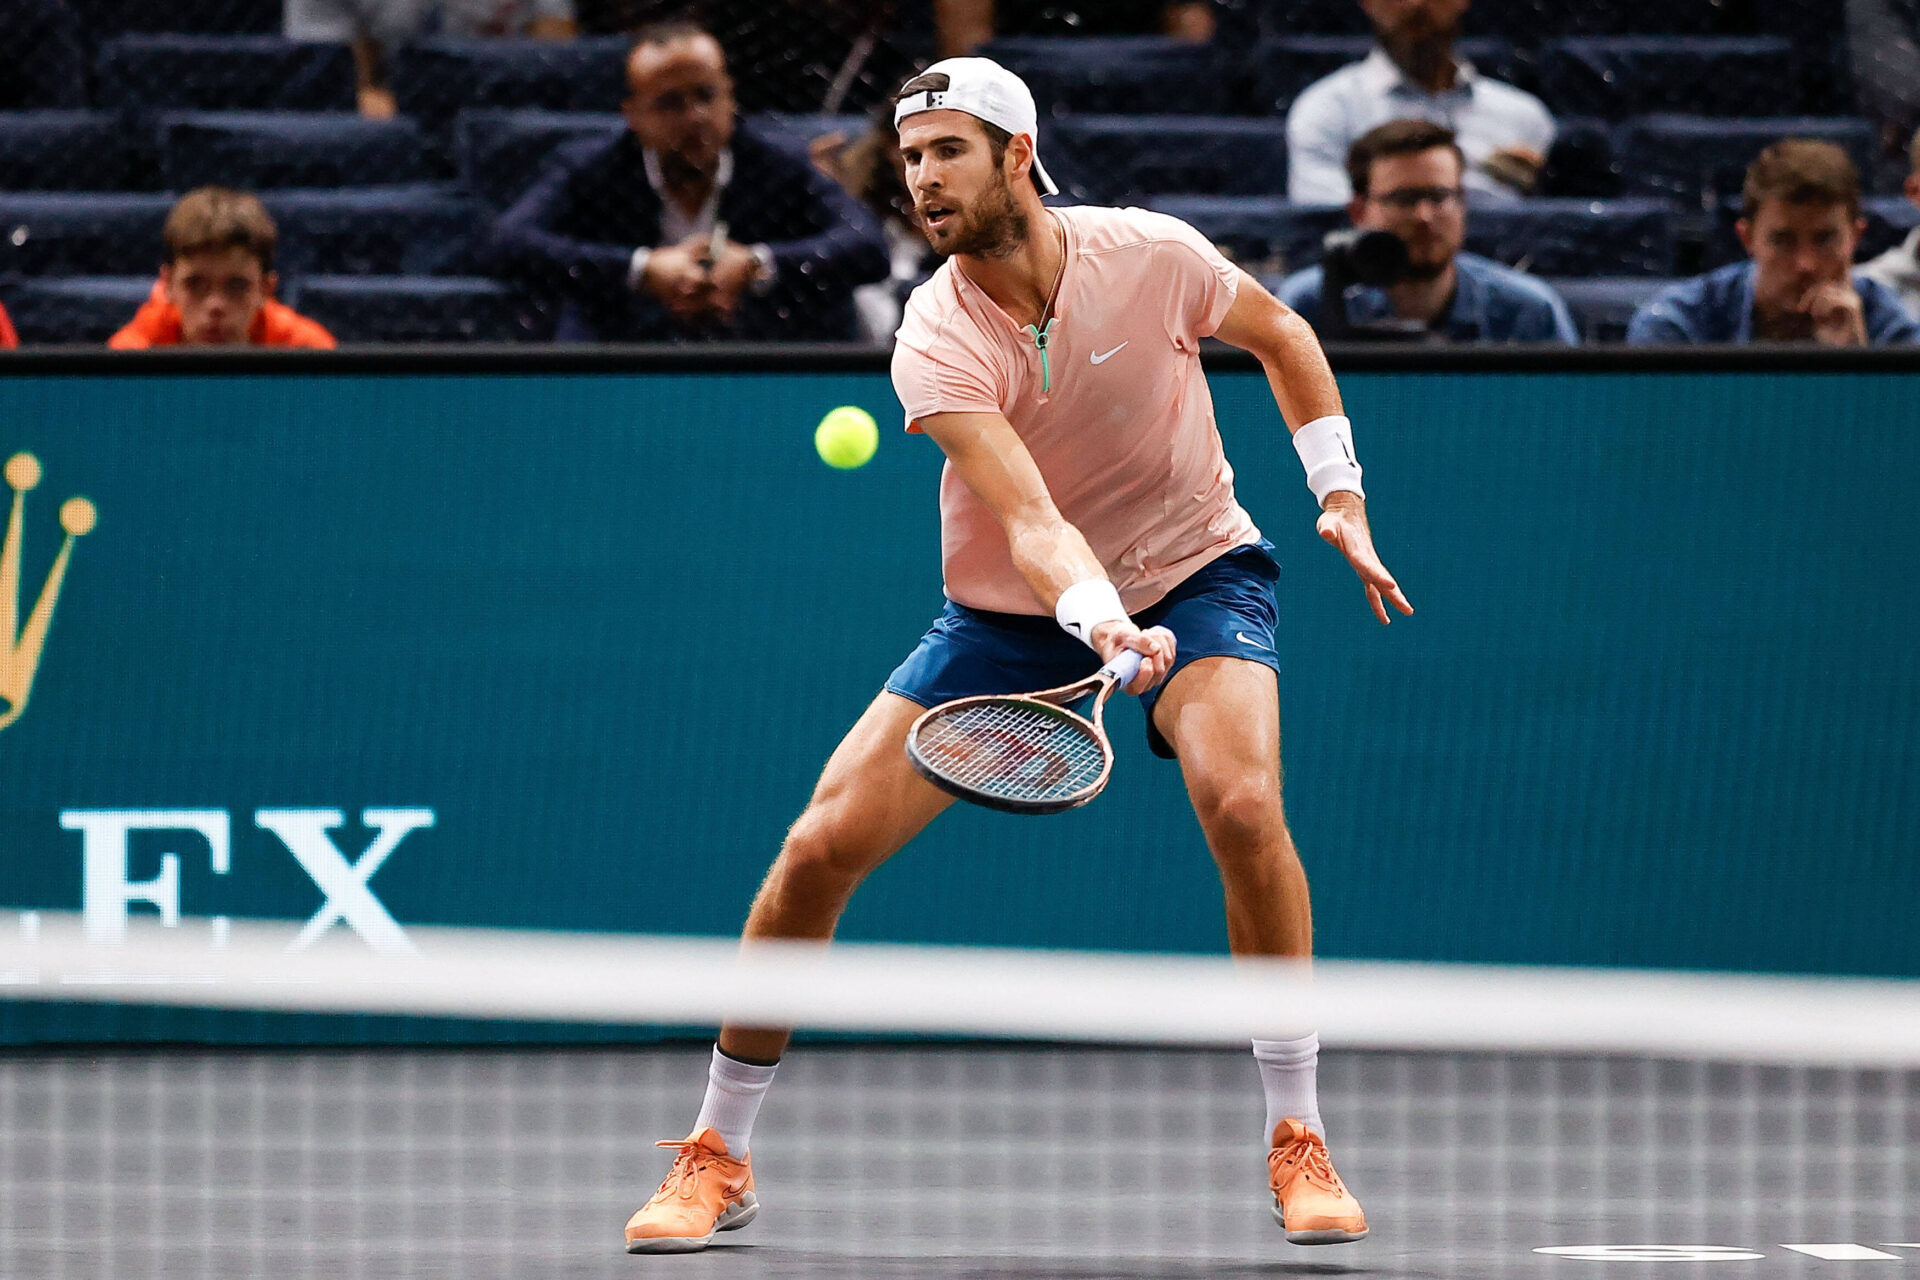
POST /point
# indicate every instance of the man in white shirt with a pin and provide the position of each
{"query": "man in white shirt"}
(1899, 267)
(1414, 72)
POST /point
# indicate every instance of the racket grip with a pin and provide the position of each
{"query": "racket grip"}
(1123, 668)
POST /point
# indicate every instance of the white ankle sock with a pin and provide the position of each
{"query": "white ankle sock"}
(735, 1090)
(1287, 1069)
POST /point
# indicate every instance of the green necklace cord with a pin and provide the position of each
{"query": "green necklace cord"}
(1040, 337)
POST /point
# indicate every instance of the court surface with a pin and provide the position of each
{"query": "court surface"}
(940, 1163)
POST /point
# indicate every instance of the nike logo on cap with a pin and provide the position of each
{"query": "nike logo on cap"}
(1101, 357)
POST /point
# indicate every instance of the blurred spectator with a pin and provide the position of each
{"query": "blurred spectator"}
(1883, 37)
(1899, 267)
(216, 285)
(42, 61)
(377, 27)
(8, 338)
(690, 225)
(962, 25)
(1406, 175)
(1800, 221)
(834, 56)
(870, 169)
(1413, 72)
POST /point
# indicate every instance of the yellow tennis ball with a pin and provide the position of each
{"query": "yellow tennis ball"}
(846, 437)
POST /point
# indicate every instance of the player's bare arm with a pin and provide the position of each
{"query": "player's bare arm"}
(1049, 552)
(1304, 390)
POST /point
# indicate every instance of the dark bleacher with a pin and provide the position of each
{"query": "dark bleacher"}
(1123, 159)
(1620, 76)
(1268, 235)
(1700, 162)
(148, 73)
(1096, 75)
(434, 80)
(412, 231)
(1577, 237)
(1602, 306)
(266, 149)
(73, 308)
(1661, 105)
(64, 151)
(58, 234)
(414, 308)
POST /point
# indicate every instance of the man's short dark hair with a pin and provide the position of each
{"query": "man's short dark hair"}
(1801, 171)
(940, 82)
(213, 219)
(1396, 138)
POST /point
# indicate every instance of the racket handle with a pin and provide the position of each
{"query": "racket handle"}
(1123, 668)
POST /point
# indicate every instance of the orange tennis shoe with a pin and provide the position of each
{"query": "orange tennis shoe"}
(707, 1190)
(1309, 1199)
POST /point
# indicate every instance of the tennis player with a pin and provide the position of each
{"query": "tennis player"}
(1086, 504)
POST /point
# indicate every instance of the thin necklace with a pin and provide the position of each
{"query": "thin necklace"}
(1044, 331)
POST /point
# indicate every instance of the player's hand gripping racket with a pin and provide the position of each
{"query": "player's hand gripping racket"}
(1023, 753)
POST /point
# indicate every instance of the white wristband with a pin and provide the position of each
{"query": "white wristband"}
(1325, 446)
(1085, 605)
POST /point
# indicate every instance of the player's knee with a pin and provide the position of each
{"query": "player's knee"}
(1242, 818)
(826, 842)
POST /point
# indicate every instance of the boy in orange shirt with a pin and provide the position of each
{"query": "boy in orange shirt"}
(216, 286)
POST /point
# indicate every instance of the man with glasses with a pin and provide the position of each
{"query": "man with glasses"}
(1406, 177)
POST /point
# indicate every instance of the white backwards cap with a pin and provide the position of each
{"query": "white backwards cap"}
(986, 91)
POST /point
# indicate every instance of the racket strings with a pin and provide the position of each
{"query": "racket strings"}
(1013, 750)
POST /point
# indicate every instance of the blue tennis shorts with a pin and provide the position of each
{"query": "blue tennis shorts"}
(1227, 609)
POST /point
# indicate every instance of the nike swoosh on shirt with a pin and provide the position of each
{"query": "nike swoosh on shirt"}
(1102, 357)
(1243, 638)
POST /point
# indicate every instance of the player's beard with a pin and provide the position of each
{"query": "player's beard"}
(994, 228)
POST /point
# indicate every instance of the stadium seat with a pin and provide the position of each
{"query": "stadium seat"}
(63, 151)
(1700, 161)
(144, 73)
(1890, 219)
(1620, 76)
(1269, 235)
(413, 308)
(434, 80)
(1576, 237)
(1530, 20)
(1117, 74)
(1281, 68)
(500, 153)
(1581, 161)
(44, 57)
(418, 230)
(1602, 306)
(1114, 159)
(76, 309)
(185, 17)
(264, 149)
(44, 234)
(795, 131)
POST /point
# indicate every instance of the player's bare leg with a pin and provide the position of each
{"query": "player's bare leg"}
(868, 803)
(1222, 716)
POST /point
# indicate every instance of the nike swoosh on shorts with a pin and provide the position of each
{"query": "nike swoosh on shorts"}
(1243, 638)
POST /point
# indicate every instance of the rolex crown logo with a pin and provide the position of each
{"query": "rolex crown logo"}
(20, 647)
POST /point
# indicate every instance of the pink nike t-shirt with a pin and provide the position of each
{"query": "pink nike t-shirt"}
(1125, 436)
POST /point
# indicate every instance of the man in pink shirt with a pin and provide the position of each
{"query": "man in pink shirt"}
(1054, 358)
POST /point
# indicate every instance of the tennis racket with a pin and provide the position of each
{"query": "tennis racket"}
(1022, 753)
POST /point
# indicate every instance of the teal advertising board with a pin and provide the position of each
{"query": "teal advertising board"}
(575, 647)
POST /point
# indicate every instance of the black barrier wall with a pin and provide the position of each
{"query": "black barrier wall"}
(578, 643)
